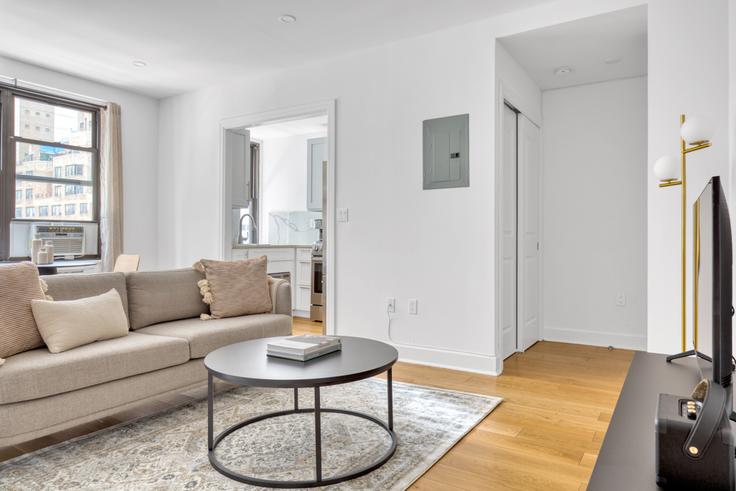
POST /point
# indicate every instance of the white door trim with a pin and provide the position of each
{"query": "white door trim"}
(327, 107)
(506, 94)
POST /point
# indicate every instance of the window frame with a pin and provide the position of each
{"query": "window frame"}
(8, 176)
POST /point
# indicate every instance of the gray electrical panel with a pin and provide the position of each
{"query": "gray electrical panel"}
(446, 152)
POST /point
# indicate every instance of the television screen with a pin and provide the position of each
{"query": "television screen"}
(712, 287)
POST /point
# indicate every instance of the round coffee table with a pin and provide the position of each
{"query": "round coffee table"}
(246, 364)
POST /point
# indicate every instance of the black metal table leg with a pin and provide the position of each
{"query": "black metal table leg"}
(317, 435)
(210, 424)
(390, 387)
(296, 399)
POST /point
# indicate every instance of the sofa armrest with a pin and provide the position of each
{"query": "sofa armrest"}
(280, 296)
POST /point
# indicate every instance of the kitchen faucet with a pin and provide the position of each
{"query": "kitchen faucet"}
(241, 239)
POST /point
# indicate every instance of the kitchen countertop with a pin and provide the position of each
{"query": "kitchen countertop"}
(271, 246)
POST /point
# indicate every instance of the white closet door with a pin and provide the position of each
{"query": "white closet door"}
(508, 243)
(528, 232)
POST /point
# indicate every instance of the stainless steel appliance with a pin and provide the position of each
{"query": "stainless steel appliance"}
(317, 309)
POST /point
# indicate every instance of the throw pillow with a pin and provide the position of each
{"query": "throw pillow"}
(19, 285)
(234, 288)
(67, 324)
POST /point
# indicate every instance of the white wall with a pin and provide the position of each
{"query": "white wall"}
(516, 86)
(283, 176)
(688, 73)
(140, 152)
(403, 242)
(594, 212)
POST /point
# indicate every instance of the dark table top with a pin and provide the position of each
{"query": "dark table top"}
(246, 363)
(626, 459)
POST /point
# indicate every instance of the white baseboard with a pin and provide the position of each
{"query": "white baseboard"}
(595, 338)
(454, 360)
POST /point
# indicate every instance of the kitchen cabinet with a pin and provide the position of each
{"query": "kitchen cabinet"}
(303, 280)
(316, 157)
(297, 261)
(237, 158)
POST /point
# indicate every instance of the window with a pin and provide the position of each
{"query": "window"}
(47, 161)
(73, 170)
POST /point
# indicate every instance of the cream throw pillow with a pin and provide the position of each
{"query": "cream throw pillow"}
(19, 285)
(234, 288)
(67, 324)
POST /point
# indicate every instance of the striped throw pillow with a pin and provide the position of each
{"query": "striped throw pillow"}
(19, 284)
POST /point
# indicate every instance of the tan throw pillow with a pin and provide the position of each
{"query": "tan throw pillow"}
(67, 324)
(19, 285)
(233, 288)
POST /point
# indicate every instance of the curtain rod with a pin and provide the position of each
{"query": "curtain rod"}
(32, 88)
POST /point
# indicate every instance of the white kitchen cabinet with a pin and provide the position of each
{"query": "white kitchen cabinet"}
(316, 156)
(303, 280)
(237, 157)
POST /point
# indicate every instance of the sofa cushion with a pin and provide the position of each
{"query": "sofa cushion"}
(38, 373)
(235, 288)
(67, 324)
(206, 336)
(19, 286)
(76, 286)
(162, 296)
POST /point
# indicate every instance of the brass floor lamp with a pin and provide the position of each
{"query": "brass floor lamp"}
(693, 137)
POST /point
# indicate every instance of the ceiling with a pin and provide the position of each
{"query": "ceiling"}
(600, 48)
(307, 126)
(188, 44)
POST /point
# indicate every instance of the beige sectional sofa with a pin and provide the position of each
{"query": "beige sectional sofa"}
(42, 392)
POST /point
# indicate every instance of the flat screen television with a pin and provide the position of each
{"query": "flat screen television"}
(712, 288)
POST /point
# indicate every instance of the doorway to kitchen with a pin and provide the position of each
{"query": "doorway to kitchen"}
(278, 193)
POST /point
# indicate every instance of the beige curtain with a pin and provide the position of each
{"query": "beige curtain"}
(111, 186)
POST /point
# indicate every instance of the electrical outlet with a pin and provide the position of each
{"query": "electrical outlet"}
(390, 305)
(621, 300)
(413, 306)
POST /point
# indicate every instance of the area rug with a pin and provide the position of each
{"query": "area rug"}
(168, 450)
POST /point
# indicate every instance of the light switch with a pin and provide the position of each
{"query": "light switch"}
(413, 307)
(342, 215)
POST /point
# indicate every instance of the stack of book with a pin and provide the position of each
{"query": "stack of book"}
(304, 347)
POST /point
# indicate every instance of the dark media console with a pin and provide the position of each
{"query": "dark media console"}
(627, 459)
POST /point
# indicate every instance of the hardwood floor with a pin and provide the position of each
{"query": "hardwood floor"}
(558, 400)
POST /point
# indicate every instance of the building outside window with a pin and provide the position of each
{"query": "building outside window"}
(43, 211)
(83, 209)
(73, 189)
(18, 194)
(56, 210)
(29, 193)
(19, 212)
(58, 191)
(73, 170)
(57, 171)
(30, 212)
(70, 209)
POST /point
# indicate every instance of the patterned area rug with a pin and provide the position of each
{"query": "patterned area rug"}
(168, 450)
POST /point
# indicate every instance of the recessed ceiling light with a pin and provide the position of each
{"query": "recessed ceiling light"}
(287, 19)
(563, 70)
(612, 61)
(139, 63)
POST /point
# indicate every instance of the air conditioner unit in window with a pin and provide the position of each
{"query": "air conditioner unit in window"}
(68, 240)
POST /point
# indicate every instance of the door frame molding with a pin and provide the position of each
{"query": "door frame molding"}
(323, 107)
(504, 93)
